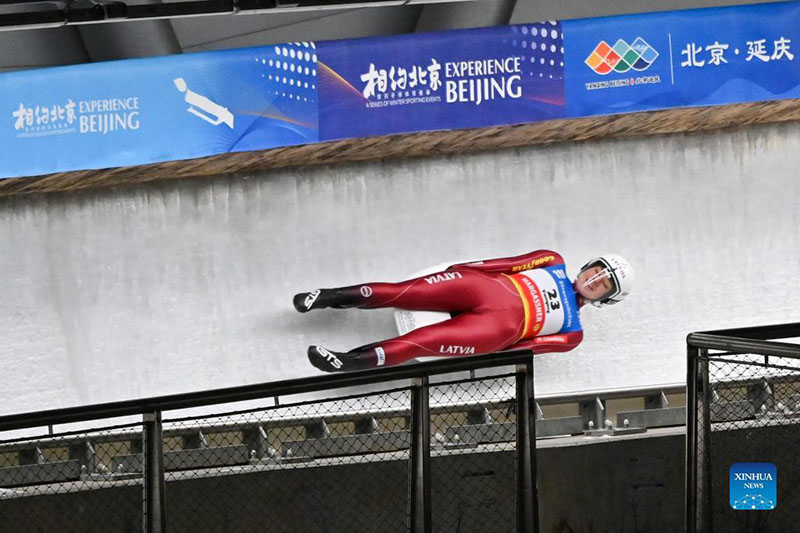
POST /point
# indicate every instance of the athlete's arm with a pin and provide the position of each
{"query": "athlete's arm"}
(509, 265)
(561, 342)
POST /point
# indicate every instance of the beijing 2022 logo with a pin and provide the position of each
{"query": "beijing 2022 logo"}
(621, 57)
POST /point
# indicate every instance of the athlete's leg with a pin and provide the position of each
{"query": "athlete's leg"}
(466, 334)
(459, 291)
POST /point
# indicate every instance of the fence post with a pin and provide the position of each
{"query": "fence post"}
(420, 457)
(704, 446)
(155, 500)
(527, 497)
(692, 354)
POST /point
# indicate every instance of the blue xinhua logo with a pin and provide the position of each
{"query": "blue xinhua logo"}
(753, 486)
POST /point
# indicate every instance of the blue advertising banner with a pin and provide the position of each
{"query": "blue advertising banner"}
(134, 112)
(147, 110)
(682, 58)
(440, 81)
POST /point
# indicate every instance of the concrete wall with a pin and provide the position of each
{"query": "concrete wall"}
(168, 287)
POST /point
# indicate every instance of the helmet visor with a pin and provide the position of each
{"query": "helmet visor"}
(599, 275)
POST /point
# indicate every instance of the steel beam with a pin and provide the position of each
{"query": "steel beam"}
(420, 458)
(155, 500)
(527, 497)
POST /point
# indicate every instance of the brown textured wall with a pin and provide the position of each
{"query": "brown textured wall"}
(421, 144)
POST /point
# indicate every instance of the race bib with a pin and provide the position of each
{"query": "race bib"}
(549, 300)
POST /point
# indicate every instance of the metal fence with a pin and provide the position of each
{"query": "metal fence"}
(743, 406)
(397, 449)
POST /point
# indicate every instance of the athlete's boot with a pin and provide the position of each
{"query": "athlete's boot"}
(330, 361)
(304, 301)
(323, 298)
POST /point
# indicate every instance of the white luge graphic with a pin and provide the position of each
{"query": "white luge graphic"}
(203, 107)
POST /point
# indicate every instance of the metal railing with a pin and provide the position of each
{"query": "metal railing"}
(387, 452)
(743, 405)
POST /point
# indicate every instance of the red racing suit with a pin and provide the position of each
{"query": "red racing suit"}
(493, 309)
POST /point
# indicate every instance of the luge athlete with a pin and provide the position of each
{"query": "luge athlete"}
(525, 301)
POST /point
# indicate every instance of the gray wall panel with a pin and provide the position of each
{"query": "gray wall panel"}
(41, 48)
(199, 34)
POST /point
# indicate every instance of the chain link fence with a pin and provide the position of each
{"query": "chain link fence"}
(745, 409)
(408, 457)
(332, 465)
(474, 455)
(72, 481)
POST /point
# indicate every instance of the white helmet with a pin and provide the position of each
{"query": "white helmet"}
(618, 271)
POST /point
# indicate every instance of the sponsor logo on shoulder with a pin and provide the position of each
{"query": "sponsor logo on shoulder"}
(533, 264)
(445, 276)
(457, 350)
(332, 359)
(311, 298)
(366, 291)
